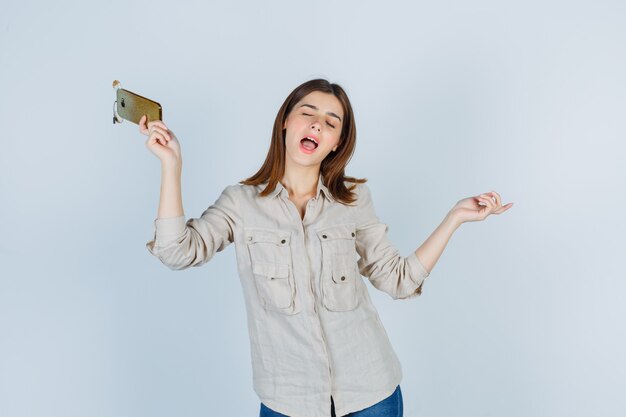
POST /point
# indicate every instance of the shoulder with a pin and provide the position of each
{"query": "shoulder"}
(362, 191)
(230, 195)
(243, 192)
(360, 187)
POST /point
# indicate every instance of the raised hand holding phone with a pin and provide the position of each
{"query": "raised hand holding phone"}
(161, 141)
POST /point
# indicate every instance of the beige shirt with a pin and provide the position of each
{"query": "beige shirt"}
(314, 331)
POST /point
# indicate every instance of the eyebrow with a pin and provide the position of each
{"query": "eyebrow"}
(330, 113)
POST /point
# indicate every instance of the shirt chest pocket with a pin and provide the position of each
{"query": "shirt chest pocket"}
(270, 257)
(340, 271)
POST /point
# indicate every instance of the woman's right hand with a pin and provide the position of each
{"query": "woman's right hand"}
(161, 141)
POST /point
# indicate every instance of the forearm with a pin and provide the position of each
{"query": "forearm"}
(430, 251)
(171, 201)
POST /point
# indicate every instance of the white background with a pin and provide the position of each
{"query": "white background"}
(523, 315)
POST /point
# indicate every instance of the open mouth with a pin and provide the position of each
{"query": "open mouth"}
(309, 143)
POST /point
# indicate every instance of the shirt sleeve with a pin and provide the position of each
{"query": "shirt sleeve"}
(400, 277)
(179, 244)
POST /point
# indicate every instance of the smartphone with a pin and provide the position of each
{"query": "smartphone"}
(132, 107)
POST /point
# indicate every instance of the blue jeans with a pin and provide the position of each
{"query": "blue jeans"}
(389, 407)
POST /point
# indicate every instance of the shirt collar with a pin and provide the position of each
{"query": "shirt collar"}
(320, 188)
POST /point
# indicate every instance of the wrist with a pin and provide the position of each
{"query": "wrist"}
(172, 167)
(452, 218)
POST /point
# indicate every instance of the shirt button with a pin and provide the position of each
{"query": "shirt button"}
(343, 278)
(282, 241)
(352, 234)
(324, 236)
(249, 237)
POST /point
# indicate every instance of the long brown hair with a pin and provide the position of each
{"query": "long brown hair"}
(333, 166)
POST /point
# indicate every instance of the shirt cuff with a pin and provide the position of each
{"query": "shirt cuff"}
(416, 265)
(169, 227)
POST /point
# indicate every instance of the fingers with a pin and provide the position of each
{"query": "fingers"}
(159, 136)
(142, 125)
(492, 196)
(504, 208)
(146, 129)
(497, 198)
(501, 208)
(488, 200)
(494, 200)
(156, 128)
(157, 123)
(162, 132)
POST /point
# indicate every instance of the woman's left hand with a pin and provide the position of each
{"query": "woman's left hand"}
(476, 208)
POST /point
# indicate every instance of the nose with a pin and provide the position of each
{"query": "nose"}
(316, 125)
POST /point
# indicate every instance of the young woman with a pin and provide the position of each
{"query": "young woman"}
(304, 234)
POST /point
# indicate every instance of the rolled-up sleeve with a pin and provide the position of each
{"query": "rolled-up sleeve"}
(400, 277)
(179, 244)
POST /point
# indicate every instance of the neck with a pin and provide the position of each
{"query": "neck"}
(301, 182)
